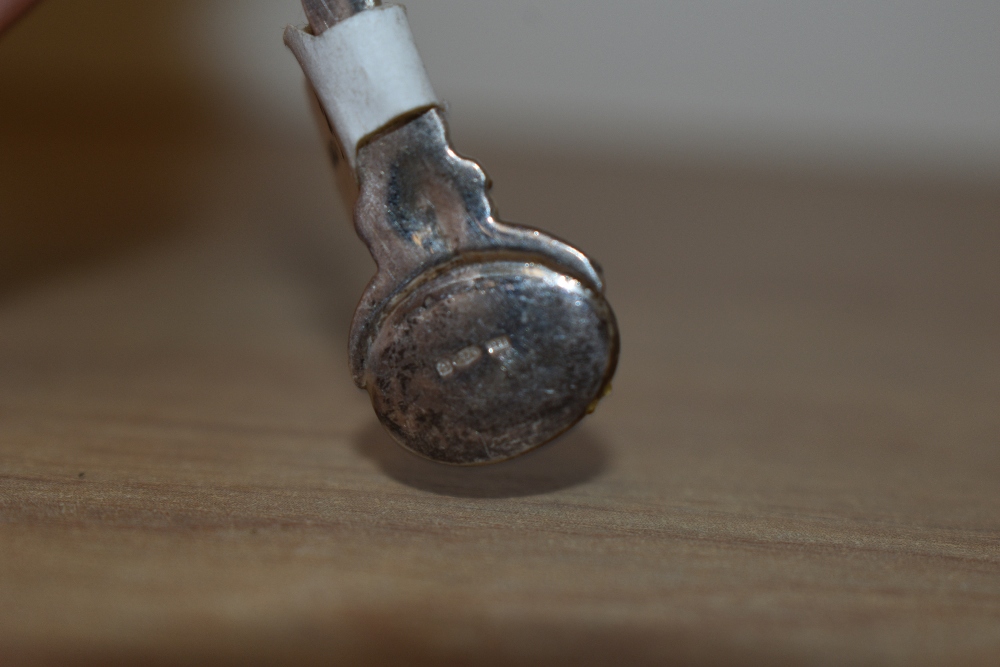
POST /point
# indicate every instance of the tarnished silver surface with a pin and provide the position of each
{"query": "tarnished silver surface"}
(490, 359)
(476, 339)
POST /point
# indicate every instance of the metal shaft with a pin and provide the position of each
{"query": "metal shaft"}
(324, 13)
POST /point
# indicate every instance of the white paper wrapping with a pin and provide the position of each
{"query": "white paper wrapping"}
(366, 72)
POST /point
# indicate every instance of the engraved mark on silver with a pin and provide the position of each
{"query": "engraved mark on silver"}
(459, 361)
(499, 349)
(466, 357)
(504, 353)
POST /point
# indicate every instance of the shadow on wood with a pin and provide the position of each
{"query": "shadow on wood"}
(573, 459)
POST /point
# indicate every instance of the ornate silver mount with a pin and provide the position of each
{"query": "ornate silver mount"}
(477, 340)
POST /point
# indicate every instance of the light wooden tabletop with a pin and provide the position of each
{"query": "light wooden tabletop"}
(800, 462)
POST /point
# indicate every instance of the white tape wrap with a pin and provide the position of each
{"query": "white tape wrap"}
(366, 72)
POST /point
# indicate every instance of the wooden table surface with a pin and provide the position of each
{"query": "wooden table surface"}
(800, 462)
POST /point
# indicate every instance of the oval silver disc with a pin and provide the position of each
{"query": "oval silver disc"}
(490, 360)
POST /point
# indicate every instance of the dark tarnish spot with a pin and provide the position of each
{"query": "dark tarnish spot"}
(405, 214)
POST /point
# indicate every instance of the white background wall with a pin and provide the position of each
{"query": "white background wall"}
(906, 84)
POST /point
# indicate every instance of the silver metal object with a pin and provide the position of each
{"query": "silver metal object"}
(477, 340)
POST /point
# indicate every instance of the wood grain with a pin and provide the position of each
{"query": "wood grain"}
(799, 463)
